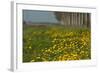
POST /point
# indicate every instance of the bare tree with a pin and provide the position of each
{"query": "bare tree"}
(73, 19)
(61, 17)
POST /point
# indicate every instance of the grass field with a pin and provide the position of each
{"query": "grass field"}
(55, 43)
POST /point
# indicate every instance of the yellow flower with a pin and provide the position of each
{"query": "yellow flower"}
(30, 47)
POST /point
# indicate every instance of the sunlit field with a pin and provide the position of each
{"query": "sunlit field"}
(56, 43)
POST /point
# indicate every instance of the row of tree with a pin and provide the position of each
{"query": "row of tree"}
(74, 18)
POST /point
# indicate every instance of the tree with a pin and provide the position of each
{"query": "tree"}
(73, 19)
(61, 17)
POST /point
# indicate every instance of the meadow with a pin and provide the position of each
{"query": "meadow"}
(56, 43)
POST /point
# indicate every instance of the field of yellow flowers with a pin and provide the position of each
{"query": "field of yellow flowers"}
(56, 43)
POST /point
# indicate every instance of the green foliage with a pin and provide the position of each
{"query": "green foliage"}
(56, 43)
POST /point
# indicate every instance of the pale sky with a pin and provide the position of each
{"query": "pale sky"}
(39, 16)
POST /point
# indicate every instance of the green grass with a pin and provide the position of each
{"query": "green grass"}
(55, 43)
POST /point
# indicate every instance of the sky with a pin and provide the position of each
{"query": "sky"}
(39, 16)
